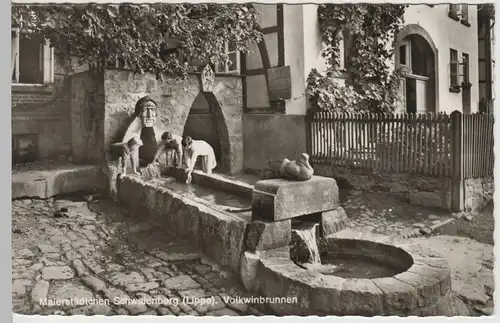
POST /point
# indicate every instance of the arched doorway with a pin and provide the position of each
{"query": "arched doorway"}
(417, 57)
(206, 122)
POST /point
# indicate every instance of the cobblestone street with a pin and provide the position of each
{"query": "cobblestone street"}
(380, 213)
(80, 254)
(94, 251)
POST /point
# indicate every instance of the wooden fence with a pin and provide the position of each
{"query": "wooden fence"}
(456, 145)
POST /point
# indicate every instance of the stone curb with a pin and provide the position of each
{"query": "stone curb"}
(416, 233)
(213, 180)
(441, 224)
(45, 184)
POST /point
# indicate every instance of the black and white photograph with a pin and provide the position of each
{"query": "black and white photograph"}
(252, 159)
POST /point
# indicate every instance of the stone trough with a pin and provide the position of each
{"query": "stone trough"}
(256, 246)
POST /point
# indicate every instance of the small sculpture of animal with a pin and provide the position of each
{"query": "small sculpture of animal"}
(298, 170)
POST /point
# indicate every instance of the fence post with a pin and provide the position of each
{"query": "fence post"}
(457, 162)
(308, 128)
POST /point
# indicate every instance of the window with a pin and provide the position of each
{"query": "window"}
(24, 148)
(466, 72)
(402, 55)
(344, 46)
(341, 51)
(453, 11)
(233, 65)
(454, 63)
(464, 14)
(32, 60)
(405, 56)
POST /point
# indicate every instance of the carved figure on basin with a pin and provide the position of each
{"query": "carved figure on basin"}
(146, 127)
(297, 170)
(118, 156)
(194, 149)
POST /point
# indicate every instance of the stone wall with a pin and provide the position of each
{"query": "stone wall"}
(272, 137)
(123, 89)
(43, 111)
(415, 188)
(87, 116)
(478, 192)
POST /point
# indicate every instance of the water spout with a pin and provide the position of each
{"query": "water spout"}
(306, 250)
(307, 233)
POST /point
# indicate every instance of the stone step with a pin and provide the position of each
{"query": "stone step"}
(67, 179)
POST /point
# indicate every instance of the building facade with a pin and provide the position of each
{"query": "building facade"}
(445, 50)
(438, 50)
(486, 57)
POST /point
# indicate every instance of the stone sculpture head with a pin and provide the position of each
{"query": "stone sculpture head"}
(134, 143)
(166, 136)
(145, 108)
(304, 160)
(186, 147)
(187, 142)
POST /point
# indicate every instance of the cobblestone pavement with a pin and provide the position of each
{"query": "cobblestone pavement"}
(94, 255)
(387, 214)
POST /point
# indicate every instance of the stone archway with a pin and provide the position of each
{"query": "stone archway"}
(207, 122)
(416, 34)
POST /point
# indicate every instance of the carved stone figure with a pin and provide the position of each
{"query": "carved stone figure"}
(146, 127)
(171, 146)
(207, 79)
(117, 157)
(198, 148)
(298, 170)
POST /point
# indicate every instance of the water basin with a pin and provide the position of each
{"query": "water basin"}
(344, 257)
(357, 266)
(223, 201)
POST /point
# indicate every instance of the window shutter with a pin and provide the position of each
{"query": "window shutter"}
(402, 93)
(465, 12)
(342, 50)
(48, 63)
(453, 73)
(15, 55)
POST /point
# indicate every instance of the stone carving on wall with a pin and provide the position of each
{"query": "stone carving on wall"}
(146, 127)
(207, 79)
(297, 170)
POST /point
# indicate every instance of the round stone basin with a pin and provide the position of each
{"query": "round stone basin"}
(362, 259)
(399, 279)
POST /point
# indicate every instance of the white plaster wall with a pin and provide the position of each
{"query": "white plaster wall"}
(448, 33)
(303, 48)
(267, 17)
(258, 96)
(294, 55)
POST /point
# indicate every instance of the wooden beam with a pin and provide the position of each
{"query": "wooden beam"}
(257, 71)
(270, 30)
(281, 36)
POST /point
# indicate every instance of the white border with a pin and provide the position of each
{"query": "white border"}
(6, 249)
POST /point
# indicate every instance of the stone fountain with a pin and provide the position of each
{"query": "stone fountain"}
(336, 276)
(330, 280)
